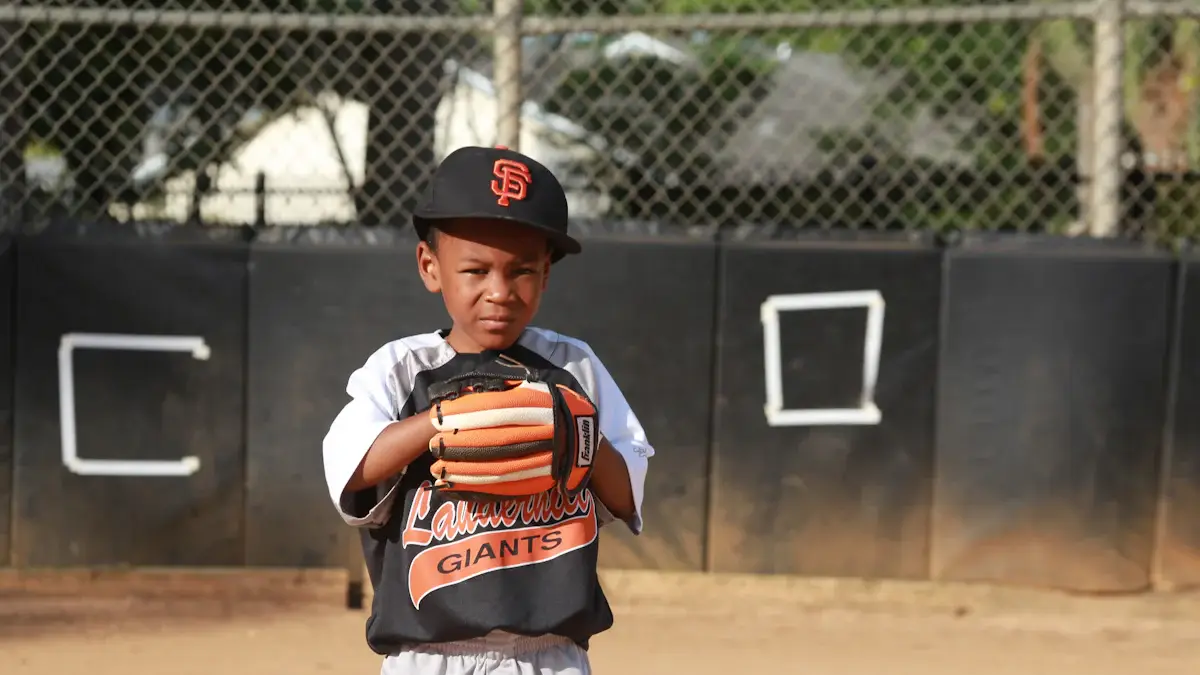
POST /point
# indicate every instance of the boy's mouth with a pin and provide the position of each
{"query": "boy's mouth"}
(496, 322)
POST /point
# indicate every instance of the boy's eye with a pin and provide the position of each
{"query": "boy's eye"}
(480, 270)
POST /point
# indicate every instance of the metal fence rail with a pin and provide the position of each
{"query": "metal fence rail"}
(1075, 117)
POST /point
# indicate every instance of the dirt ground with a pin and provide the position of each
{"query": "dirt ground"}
(286, 622)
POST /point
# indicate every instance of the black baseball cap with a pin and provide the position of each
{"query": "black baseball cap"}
(498, 184)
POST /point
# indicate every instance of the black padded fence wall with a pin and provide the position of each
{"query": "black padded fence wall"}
(835, 481)
(1178, 546)
(1052, 396)
(1010, 427)
(150, 332)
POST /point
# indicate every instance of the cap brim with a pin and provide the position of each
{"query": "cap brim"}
(564, 244)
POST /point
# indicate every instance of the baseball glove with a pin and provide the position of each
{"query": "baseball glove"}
(501, 436)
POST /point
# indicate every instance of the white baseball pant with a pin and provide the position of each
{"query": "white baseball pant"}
(495, 654)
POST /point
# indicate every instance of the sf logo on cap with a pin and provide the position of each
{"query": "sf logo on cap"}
(513, 181)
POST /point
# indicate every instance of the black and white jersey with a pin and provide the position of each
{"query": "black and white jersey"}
(447, 570)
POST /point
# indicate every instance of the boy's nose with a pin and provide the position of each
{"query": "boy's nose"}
(499, 289)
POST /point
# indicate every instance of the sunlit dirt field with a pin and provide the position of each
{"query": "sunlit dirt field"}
(285, 622)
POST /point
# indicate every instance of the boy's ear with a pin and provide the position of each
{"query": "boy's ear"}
(427, 266)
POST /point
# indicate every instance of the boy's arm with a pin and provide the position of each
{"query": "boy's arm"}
(366, 449)
(619, 476)
(611, 483)
(393, 450)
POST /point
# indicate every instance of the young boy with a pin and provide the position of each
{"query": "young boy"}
(462, 588)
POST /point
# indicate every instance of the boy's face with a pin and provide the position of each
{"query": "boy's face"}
(491, 277)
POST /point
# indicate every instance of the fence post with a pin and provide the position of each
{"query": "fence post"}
(1109, 107)
(506, 72)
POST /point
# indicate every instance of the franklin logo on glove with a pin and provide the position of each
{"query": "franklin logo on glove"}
(587, 441)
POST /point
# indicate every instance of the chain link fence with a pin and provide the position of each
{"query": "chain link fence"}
(1066, 117)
